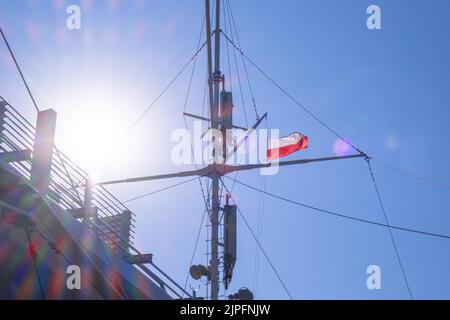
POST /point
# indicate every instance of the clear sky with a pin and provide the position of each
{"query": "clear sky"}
(385, 90)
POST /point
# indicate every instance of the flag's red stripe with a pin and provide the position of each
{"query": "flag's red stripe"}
(287, 150)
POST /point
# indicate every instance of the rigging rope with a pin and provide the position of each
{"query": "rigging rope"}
(431, 234)
(185, 106)
(238, 47)
(260, 222)
(302, 106)
(226, 22)
(195, 247)
(159, 190)
(259, 244)
(228, 50)
(18, 69)
(204, 94)
(164, 90)
(230, 12)
(205, 198)
(298, 103)
(194, 65)
(241, 91)
(390, 230)
(406, 173)
(259, 234)
(148, 194)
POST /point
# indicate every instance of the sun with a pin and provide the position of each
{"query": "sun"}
(91, 128)
(96, 140)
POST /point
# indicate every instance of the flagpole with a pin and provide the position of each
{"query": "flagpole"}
(226, 169)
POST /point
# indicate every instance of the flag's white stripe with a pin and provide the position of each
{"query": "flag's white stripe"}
(284, 141)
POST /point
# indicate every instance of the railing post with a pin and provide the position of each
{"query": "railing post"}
(41, 163)
(88, 192)
(89, 210)
(2, 119)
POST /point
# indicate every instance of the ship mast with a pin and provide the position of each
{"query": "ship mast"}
(214, 99)
(220, 120)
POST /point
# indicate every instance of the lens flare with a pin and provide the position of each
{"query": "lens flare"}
(341, 148)
(32, 30)
(141, 3)
(61, 35)
(114, 4)
(58, 4)
(86, 4)
(139, 31)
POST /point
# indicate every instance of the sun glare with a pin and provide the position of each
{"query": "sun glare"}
(95, 144)
(91, 128)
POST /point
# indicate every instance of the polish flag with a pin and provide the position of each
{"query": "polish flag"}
(284, 146)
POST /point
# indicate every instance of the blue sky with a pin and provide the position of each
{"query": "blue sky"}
(385, 90)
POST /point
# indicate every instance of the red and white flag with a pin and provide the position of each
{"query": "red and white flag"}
(281, 147)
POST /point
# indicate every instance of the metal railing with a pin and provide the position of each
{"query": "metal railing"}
(68, 186)
(67, 180)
